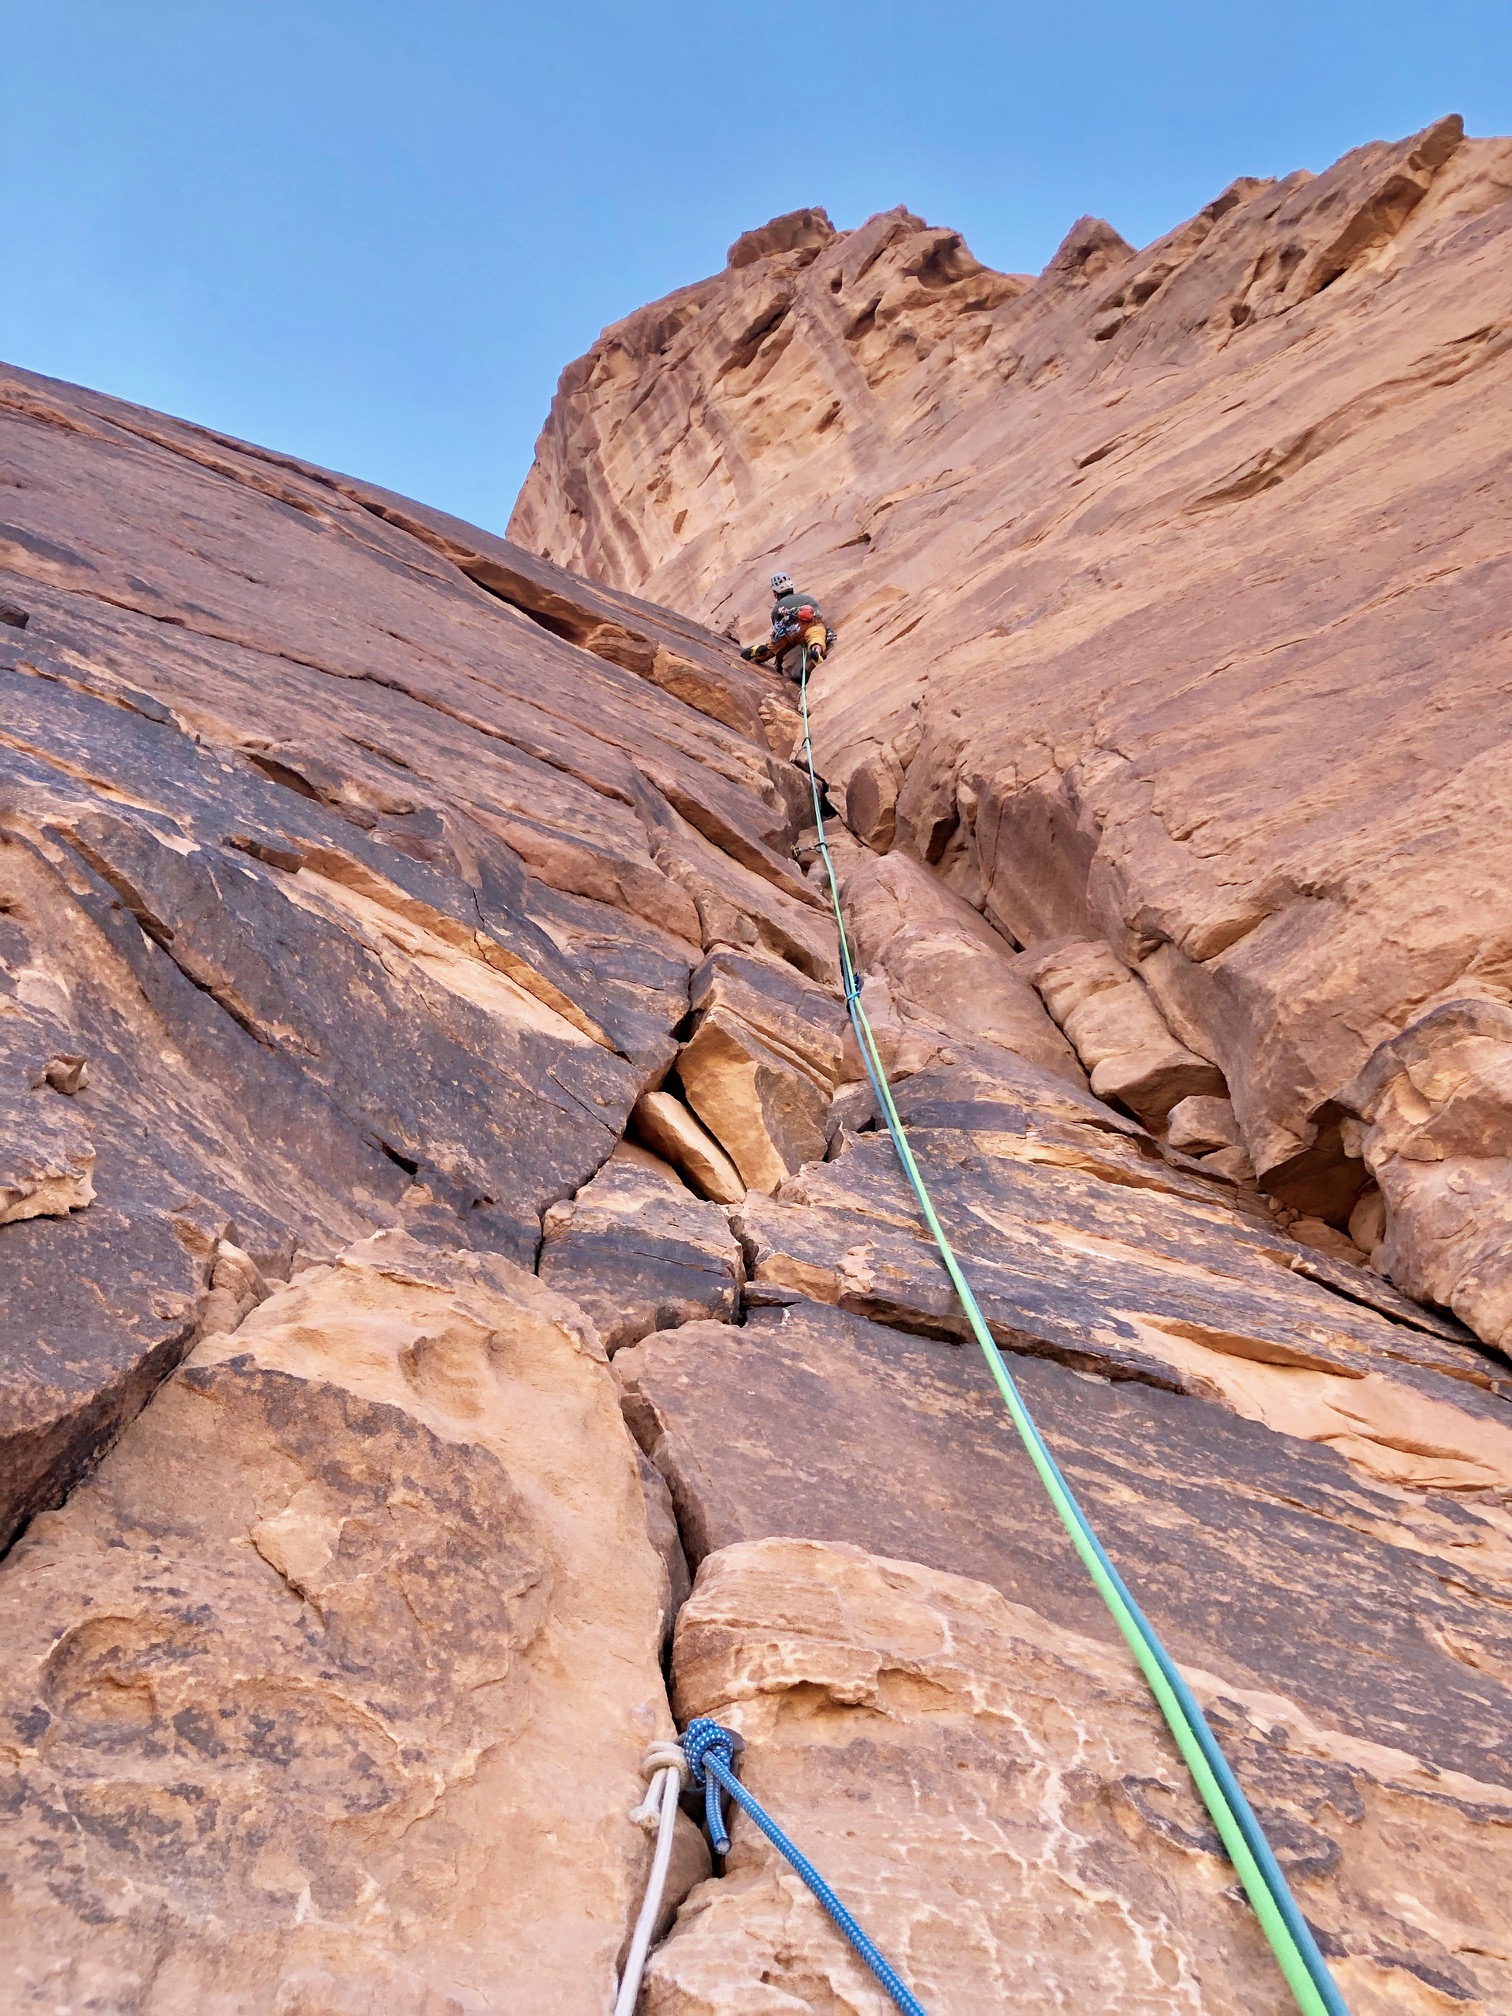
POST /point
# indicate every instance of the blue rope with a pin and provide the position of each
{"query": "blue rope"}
(710, 1751)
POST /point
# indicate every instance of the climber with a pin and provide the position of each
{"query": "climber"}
(797, 623)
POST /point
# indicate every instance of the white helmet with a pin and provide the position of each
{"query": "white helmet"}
(782, 584)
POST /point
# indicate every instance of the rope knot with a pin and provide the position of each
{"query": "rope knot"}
(711, 1752)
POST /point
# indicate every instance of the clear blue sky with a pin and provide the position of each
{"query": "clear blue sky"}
(373, 231)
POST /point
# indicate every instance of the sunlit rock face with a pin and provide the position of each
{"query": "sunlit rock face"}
(444, 1215)
(1171, 588)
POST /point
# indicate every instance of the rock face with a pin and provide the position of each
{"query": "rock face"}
(1170, 586)
(910, 1725)
(323, 850)
(283, 1691)
(418, 983)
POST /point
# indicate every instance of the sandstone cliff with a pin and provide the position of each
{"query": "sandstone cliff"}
(1173, 592)
(460, 1315)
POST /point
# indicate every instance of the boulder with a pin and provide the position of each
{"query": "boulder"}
(1201, 1125)
(1109, 1016)
(284, 1690)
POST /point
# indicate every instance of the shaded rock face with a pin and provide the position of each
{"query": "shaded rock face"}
(329, 896)
(1171, 591)
(417, 984)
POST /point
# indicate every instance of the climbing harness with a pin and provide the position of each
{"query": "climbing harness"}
(706, 1755)
(1291, 1939)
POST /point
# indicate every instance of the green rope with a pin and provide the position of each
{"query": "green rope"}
(1290, 1936)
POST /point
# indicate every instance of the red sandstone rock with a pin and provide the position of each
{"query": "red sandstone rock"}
(1170, 589)
(359, 870)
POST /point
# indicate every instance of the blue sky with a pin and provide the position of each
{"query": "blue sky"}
(372, 233)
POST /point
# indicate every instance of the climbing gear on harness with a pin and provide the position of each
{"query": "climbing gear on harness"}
(1291, 1939)
(667, 1768)
(710, 1751)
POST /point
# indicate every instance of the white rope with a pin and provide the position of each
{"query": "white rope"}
(667, 1768)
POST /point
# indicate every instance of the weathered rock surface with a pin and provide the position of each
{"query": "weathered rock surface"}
(1117, 1031)
(283, 1697)
(762, 1064)
(389, 919)
(1171, 588)
(908, 1725)
(638, 1253)
(322, 851)
(1433, 1111)
(943, 964)
(666, 1126)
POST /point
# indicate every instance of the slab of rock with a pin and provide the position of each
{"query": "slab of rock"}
(284, 1692)
(1433, 1120)
(735, 905)
(944, 964)
(1189, 1499)
(907, 1726)
(767, 1114)
(1118, 1032)
(322, 857)
(638, 1254)
(762, 1064)
(1085, 1244)
(666, 1125)
(791, 1015)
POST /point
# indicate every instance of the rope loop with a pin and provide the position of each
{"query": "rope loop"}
(705, 1740)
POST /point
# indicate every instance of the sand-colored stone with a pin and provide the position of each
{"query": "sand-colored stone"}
(1170, 585)
(1201, 1125)
(798, 1019)
(1433, 1111)
(906, 1725)
(287, 1689)
(904, 1046)
(1117, 1031)
(667, 1125)
(767, 1113)
(762, 1064)
(944, 964)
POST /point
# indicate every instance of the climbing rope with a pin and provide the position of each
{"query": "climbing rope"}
(1290, 1937)
(706, 1757)
(710, 1753)
(667, 1768)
